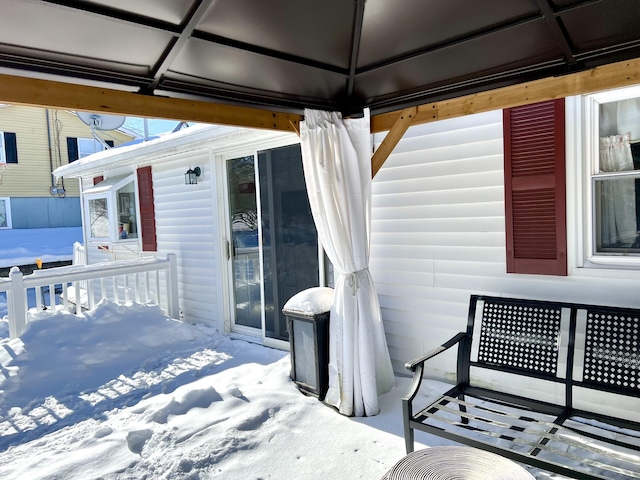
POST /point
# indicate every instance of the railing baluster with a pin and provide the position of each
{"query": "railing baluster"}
(103, 289)
(90, 297)
(136, 279)
(65, 297)
(115, 290)
(76, 287)
(52, 297)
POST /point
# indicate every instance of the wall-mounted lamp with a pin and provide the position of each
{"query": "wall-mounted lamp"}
(191, 177)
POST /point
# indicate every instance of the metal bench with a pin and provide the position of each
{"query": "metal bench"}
(550, 384)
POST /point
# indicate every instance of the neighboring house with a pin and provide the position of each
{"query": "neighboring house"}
(33, 142)
(137, 202)
(442, 226)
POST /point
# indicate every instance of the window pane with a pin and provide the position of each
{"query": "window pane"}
(617, 198)
(127, 226)
(244, 241)
(88, 146)
(98, 218)
(616, 201)
(289, 237)
(3, 214)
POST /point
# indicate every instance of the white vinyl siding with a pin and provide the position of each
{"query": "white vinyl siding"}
(437, 229)
(186, 224)
(3, 154)
(438, 235)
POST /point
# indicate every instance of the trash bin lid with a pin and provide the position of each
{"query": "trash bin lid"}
(310, 301)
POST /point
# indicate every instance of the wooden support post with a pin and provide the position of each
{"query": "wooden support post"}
(398, 129)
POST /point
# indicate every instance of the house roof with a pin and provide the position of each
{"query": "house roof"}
(222, 139)
(287, 55)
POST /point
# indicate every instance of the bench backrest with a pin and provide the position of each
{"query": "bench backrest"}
(519, 347)
(563, 353)
(606, 362)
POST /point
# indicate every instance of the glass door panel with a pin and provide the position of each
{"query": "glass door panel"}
(244, 251)
(289, 237)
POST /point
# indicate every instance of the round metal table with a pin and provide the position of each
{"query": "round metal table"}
(456, 463)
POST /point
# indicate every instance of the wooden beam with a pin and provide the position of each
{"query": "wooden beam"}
(605, 77)
(46, 93)
(396, 132)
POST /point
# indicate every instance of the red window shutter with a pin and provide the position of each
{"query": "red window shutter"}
(147, 210)
(97, 180)
(535, 200)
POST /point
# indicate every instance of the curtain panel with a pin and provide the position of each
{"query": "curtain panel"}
(336, 155)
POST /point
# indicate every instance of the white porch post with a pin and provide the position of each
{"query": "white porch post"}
(17, 304)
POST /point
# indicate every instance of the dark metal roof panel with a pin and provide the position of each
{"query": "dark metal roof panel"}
(317, 31)
(235, 67)
(394, 29)
(335, 54)
(484, 58)
(170, 11)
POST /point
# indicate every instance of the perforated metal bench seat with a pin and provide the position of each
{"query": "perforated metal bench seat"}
(550, 384)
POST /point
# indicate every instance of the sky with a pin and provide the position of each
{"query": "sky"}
(123, 392)
(155, 126)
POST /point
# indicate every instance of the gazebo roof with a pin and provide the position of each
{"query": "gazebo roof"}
(287, 55)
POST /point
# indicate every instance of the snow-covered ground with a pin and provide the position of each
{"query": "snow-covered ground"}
(21, 246)
(122, 392)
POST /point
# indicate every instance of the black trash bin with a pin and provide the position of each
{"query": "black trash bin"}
(307, 316)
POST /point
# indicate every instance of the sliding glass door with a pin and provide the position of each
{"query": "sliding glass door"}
(274, 243)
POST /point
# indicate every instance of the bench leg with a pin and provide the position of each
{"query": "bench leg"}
(408, 431)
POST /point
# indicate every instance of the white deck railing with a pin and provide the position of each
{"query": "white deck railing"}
(150, 280)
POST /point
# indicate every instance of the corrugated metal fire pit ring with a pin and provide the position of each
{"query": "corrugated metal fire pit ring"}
(456, 463)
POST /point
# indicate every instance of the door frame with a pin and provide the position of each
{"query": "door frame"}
(251, 148)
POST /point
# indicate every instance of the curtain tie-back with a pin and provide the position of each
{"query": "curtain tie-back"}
(354, 281)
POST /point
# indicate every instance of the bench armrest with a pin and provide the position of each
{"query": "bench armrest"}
(411, 366)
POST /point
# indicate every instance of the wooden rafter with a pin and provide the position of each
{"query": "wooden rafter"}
(45, 93)
(605, 77)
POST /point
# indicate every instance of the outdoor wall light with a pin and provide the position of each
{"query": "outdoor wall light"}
(191, 176)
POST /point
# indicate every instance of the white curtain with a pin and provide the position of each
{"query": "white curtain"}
(618, 201)
(336, 155)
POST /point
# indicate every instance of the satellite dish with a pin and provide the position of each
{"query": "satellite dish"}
(101, 121)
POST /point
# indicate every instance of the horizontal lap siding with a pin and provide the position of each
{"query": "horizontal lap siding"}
(186, 224)
(437, 210)
(438, 236)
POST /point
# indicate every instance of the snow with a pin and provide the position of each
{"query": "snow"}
(21, 246)
(123, 392)
(311, 301)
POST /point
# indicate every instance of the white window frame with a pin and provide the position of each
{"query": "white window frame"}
(3, 150)
(590, 169)
(7, 206)
(108, 190)
(97, 146)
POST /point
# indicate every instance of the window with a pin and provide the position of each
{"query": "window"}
(8, 148)
(112, 210)
(83, 147)
(613, 134)
(114, 213)
(5, 212)
(98, 218)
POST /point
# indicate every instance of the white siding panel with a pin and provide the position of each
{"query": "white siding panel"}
(186, 224)
(437, 236)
